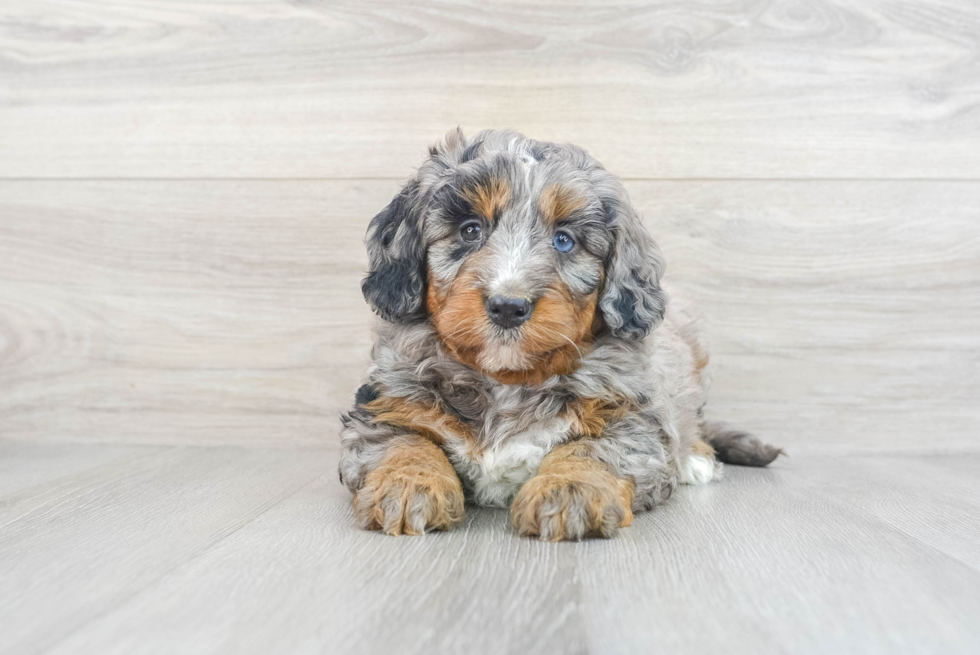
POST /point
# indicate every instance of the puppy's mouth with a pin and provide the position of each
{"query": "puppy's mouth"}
(515, 339)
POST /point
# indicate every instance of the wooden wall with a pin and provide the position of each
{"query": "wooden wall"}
(184, 189)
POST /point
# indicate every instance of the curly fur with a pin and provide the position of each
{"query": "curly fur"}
(586, 413)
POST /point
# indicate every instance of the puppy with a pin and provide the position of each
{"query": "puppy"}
(527, 355)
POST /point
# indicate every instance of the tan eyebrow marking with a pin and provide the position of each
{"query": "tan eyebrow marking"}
(558, 202)
(489, 197)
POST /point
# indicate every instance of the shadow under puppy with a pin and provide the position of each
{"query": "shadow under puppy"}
(527, 355)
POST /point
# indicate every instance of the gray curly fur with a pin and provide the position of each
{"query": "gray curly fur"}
(644, 354)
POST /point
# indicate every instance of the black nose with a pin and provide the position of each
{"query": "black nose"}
(508, 312)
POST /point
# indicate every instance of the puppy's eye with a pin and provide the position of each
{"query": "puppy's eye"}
(471, 231)
(563, 241)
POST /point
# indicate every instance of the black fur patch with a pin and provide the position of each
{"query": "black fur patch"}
(455, 207)
(625, 306)
(366, 393)
(395, 286)
(539, 151)
(396, 291)
(640, 307)
(472, 152)
(736, 447)
(460, 252)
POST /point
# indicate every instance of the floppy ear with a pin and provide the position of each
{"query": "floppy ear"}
(632, 301)
(396, 284)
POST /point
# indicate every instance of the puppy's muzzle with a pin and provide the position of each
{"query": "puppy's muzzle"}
(508, 312)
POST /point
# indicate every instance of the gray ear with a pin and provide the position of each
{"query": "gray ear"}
(395, 287)
(632, 301)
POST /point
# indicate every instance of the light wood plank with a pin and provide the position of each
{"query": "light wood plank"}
(78, 547)
(744, 89)
(844, 315)
(935, 499)
(26, 465)
(846, 312)
(762, 561)
(772, 562)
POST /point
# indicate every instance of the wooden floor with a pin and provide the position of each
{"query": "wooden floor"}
(128, 549)
(184, 190)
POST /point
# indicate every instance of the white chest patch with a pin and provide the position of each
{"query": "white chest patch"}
(495, 474)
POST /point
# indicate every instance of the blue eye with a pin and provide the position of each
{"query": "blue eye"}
(563, 242)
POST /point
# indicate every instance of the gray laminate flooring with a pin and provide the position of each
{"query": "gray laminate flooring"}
(110, 549)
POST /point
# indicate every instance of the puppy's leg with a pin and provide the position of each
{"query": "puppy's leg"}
(700, 465)
(412, 490)
(573, 496)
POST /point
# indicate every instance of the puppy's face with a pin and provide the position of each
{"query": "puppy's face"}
(515, 257)
(518, 252)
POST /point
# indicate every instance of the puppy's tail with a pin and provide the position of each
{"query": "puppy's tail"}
(737, 447)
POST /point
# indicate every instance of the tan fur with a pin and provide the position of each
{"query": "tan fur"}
(704, 449)
(553, 338)
(619, 369)
(700, 361)
(429, 421)
(487, 199)
(588, 416)
(413, 489)
(558, 201)
(560, 361)
(558, 332)
(559, 319)
(459, 313)
(573, 496)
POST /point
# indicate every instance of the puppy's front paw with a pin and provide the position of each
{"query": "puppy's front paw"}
(572, 505)
(409, 499)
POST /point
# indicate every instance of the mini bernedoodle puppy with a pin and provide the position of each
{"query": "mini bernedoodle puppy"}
(527, 355)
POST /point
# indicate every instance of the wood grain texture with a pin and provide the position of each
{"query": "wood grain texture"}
(184, 189)
(844, 315)
(935, 499)
(798, 558)
(742, 89)
(78, 546)
(25, 465)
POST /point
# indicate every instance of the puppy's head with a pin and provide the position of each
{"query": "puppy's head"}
(519, 253)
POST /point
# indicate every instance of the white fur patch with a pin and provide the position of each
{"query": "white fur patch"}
(699, 469)
(496, 474)
(503, 357)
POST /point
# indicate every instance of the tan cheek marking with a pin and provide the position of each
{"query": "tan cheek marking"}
(459, 317)
(586, 317)
(430, 422)
(555, 314)
(490, 197)
(557, 202)
(433, 299)
(558, 318)
(458, 313)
